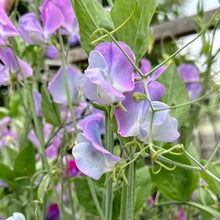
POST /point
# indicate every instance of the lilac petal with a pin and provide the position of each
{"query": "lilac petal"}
(30, 30)
(5, 76)
(157, 73)
(7, 28)
(145, 66)
(97, 116)
(57, 85)
(2, 42)
(52, 150)
(51, 17)
(92, 133)
(37, 103)
(91, 161)
(194, 90)
(74, 38)
(89, 89)
(26, 68)
(96, 60)
(106, 93)
(33, 138)
(52, 53)
(188, 73)
(120, 69)
(156, 90)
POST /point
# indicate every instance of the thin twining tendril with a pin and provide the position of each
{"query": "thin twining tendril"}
(115, 30)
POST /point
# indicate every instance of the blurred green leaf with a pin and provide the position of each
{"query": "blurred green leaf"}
(135, 32)
(42, 189)
(91, 16)
(16, 109)
(24, 164)
(8, 156)
(84, 196)
(142, 187)
(50, 110)
(7, 175)
(176, 93)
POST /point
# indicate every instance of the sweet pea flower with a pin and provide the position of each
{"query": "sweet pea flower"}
(10, 66)
(90, 156)
(53, 212)
(145, 68)
(190, 76)
(16, 216)
(30, 29)
(137, 119)
(109, 74)
(70, 25)
(57, 85)
(52, 150)
(52, 53)
(7, 29)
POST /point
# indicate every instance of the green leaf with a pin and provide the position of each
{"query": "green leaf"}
(176, 93)
(24, 164)
(207, 209)
(84, 196)
(142, 187)
(179, 183)
(135, 32)
(8, 156)
(3, 112)
(91, 16)
(16, 109)
(42, 189)
(7, 175)
(50, 110)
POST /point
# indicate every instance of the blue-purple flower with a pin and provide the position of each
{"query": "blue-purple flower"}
(109, 74)
(53, 212)
(190, 76)
(137, 119)
(7, 29)
(57, 86)
(91, 157)
(10, 67)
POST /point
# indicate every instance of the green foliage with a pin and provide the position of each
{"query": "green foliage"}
(84, 196)
(8, 156)
(24, 164)
(42, 189)
(135, 32)
(179, 183)
(91, 16)
(50, 110)
(142, 187)
(176, 93)
(7, 175)
(16, 109)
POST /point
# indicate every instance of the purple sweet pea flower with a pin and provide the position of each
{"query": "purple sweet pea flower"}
(109, 74)
(11, 67)
(52, 150)
(91, 157)
(7, 29)
(52, 53)
(57, 85)
(70, 25)
(32, 32)
(53, 212)
(136, 120)
(145, 68)
(181, 213)
(190, 76)
(37, 103)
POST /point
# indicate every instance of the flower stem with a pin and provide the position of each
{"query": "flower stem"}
(66, 83)
(109, 143)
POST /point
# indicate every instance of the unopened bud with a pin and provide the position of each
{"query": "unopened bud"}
(138, 97)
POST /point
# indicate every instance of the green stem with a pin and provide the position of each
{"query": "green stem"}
(212, 155)
(191, 102)
(40, 135)
(111, 4)
(127, 196)
(186, 45)
(109, 143)
(66, 83)
(95, 199)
